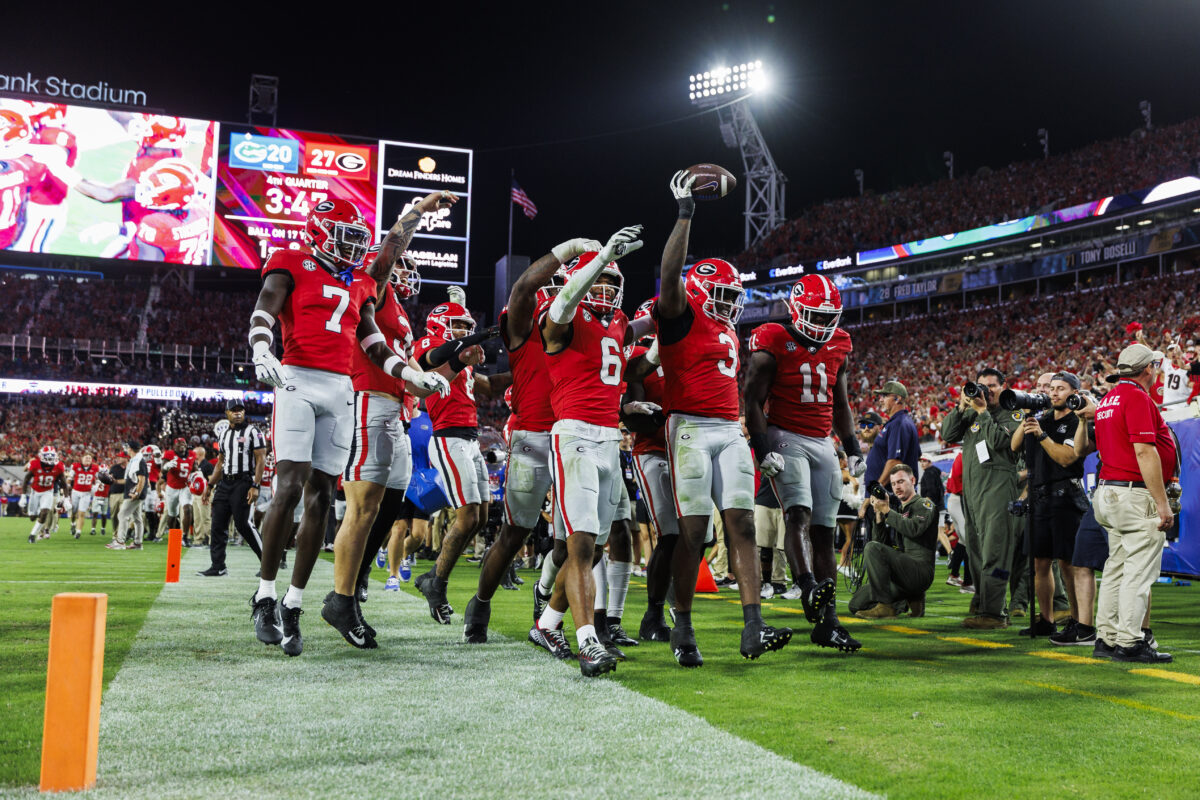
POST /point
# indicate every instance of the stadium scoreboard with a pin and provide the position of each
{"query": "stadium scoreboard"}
(148, 187)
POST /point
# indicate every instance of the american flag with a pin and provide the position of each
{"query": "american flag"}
(520, 198)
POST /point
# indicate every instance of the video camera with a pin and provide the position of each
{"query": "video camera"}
(1011, 400)
(878, 492)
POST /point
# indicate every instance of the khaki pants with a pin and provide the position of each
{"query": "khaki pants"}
(1135, 546)
(719, 559)
(130, 517)
(201, 521)
(769, 531)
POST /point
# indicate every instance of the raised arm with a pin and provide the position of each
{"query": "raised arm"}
(522, 300)
(672, 299)
(396, 241)
(556, 323)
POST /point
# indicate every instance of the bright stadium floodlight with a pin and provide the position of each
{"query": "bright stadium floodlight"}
(721, 84)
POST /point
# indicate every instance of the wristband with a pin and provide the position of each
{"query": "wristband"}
(687, 207)
(760, 446)
(266, 318)
(1043, 437)
(391, 363)
(374, 338)
(260, 330)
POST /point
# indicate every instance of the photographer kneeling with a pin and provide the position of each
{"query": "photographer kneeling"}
(895, 576)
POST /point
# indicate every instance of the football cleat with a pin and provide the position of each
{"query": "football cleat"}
(366, 625)
(834, 636)
(392, 585)
(595, 659)
(267, 625)
(75, 533)
(33, 538)
(539, 601)
(339, 611)
(405, 569)
(476, 620)
(381, 558)
(683, 645)
(653, 629)
(619, 636)
(553, 642)
(759, 639)
(292, 643)
(439, 609)
(816, 598)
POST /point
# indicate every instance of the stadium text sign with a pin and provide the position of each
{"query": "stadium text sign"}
(61, 88)
(165, 393)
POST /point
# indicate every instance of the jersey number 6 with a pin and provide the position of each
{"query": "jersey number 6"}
(610, 362)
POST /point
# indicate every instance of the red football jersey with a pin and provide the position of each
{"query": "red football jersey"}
(17, 179)
(458, 409)
(51, 191)
(701, 368)
(102, 489)
(84, 477)
(586, 376)
(181, 236)
(801, 398)
(268, 478)
(43, 477)
(131, 209)
(155, 472)
(177, 475)
(653, 386)
(320, 317)
(393, 324)
(531, 409)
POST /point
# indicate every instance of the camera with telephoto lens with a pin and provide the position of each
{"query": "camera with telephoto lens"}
(1077, 402)
(1174, 492)
(878, 492)
(973, 390)
(1018, 508)
(1011, 400)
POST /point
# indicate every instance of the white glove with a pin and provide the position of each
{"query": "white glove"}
(573, 248)
(772, 465)
(642, 407)
(652, 355)
(24, 501)
(429, 381)
(170, 465)
(267, 367)
(621, 243)
(457, 295)
(857, 466)
(681, 184)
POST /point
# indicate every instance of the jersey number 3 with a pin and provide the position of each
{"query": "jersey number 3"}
(334, 323)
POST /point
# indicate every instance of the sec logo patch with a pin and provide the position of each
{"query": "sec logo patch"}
(309, 264)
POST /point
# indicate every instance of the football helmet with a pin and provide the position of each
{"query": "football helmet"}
(602, 298)
(170, 184)
(643, 311)
(15, 133)
(405, 278)
(816, 307)
(48, 456)
(156, 130)
(151, 453)
(336, 230)
(442, 319)
(717, 285)
(550, 290)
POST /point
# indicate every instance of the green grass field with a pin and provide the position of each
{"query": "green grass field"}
(926, 709)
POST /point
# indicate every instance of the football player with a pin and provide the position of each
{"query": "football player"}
(266, 491)
(795, 396)
(19, 174)
(584, 333)
(100, 500)
(710, 461)
(55, 146)
(177, 500)
(83, 485)
(43, 475)
(451, 342)
(177, 229)
(527, 473)
(326, 307)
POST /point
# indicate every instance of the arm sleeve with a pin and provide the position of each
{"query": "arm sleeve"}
(445, 352)
(955, 424)
(673, 330)
(998, 435)
(562, 309)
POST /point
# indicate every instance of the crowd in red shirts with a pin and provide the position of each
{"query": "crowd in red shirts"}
(72, 424)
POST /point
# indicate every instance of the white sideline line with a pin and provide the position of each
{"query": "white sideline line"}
(69, 582)
(201, 709)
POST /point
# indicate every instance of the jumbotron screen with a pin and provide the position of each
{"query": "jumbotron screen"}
(149, 187)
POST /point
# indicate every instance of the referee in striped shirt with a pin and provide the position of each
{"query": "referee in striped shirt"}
(234, 485)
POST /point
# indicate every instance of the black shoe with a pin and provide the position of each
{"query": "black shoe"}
(1102, 649)
(834, 636)
(439, 609)
(366, 625)
(595, 659)
(653, 629)
(683, 645)
(338, 611)
(517, 579)
(1142, 653)
(267, 626)
(816, 598)
(618, 634)
(476, 620)
(293, 643)
(360, 590)
(32, 538)
(75, 534)
(759, 639)
(1148, 636)
(1075, 634)
(213, 572)
(93, 532)
(539, 600)
(553, 642)
(1043, 627)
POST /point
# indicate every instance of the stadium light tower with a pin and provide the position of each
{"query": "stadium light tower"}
(726, 89)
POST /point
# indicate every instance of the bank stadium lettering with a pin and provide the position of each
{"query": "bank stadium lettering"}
(55, 86)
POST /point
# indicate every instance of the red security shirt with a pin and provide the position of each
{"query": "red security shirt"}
(1125, 416)
(320, 316)
(181, 468)
(586, 375)
(531, 384)
(458, 409)
(397, 332)
(701, 368)
(652, 385)
(85, 477)
(43, 476)
(954, 483)
(801, 396)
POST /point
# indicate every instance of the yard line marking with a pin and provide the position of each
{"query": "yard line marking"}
(1117, 700)
(1167, 675)
(1070, 658)
(907, 631)
(68, 582)
(974, 642)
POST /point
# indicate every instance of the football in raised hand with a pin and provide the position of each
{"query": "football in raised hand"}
(712, 181)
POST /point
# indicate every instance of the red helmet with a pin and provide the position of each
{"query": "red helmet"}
(405, 277)
(336, 230)
(602, 298)
(48, 456)
(718, 286)
(550, 290)
(15, 132)
(151, 453)
(508, 397)
(441, 320)
(170, 184)
(816, 307)
(155, 130)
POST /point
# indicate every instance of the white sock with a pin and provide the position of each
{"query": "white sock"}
(585, 633)
(600, 575)
(37, 528)
(549, 573)
(293, 597)
(551, 619)
(265, 589)
(618, 586)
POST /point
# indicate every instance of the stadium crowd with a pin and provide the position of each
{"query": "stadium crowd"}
(71, 423)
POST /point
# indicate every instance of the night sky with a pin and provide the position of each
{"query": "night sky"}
(885, 87)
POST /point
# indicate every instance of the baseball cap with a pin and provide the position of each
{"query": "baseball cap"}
(1069, 378)
(925, 457)
(870, 417)
(1133, 359)
(893, 387)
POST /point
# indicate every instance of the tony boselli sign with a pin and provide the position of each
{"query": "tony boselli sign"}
(59, 87)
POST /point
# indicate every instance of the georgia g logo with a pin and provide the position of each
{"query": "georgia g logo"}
(706, 269)
(324, 206)
(350, 162)
(442, 309)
